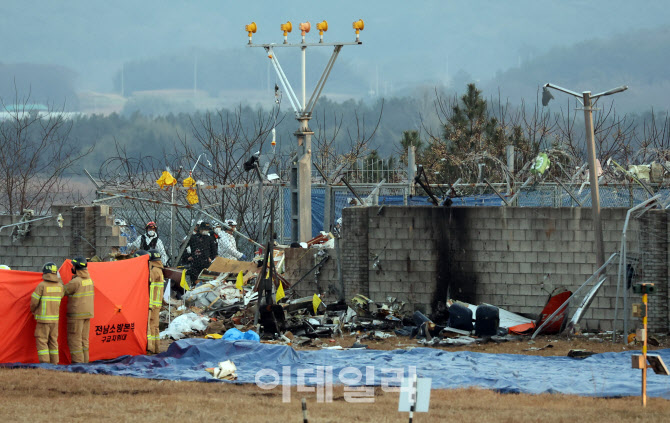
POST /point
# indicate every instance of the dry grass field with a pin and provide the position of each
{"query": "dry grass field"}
(36, 395)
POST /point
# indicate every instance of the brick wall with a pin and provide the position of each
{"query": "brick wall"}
(86, 231)
(510, 257)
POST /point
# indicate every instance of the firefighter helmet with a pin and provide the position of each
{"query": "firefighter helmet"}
(50, 268)
(154, 255)
(140, 253)
(78, 263)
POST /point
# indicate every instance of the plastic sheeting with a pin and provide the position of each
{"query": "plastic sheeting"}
(601, 375)
(184, 324)
(234, 334)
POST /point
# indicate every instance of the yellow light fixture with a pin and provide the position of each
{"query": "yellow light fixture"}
(251, 29)
(322, 27)
(287, 27)
(359, 25)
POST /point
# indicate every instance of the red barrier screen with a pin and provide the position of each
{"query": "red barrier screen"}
(119, 326)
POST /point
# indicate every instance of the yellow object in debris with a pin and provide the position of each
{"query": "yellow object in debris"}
(631, 338)
(316, 302)
(192, 196)
(213, 336)
(166, 180)
(183, 282)
(361, 300)
(240, 281)
(189, 182)
(280, 292)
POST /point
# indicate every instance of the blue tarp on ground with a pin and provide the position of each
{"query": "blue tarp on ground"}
(602, 375)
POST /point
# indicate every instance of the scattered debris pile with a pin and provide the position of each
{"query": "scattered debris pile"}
(225, 303)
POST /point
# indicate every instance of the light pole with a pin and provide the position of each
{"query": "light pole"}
(586, 99)
(301, 172)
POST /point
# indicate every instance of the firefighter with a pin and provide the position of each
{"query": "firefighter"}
(139, 253)
(45, 306)
(79, 310)
(156, 285)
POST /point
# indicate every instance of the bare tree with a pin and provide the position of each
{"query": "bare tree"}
(331, 151)
(36, 152)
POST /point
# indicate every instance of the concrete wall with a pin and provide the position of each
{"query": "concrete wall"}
(510, 257)
(86, 231)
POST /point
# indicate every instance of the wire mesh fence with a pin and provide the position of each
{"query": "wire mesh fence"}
(369, 170)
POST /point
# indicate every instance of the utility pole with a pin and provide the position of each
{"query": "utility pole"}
(301, 172)
(593, 178)
(588, 101)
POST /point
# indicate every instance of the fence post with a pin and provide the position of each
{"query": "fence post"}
(327, 207)
(411, 169)
(510, 168)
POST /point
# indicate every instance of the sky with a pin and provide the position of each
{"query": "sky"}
(404, 43)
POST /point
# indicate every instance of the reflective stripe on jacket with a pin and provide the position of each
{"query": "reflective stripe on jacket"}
(81, 292)
(156, 283)
(45, 300)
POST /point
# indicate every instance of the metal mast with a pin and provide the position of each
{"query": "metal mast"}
(301, 171)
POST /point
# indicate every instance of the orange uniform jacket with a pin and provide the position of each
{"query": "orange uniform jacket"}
(80, 291)
(45, 301)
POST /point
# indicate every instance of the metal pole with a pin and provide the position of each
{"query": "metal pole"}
(593, 178)
(304, 181)
(644, 353)
(261, 206)
(510, 168)
(304, 91)
(172, 226)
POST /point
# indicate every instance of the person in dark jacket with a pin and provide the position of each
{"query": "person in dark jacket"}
(201, 251)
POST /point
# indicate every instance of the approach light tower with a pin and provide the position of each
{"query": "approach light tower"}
(301, 171)
(589, 101)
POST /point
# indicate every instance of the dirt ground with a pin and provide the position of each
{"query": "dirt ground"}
(36, 395)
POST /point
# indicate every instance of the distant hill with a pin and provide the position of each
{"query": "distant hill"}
(638, 59)
(223, 71)
(36, 83)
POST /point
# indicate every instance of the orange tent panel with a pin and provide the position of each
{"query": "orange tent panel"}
(119, 326)
(17, 325)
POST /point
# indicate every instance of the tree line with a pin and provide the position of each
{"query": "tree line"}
(453, 134)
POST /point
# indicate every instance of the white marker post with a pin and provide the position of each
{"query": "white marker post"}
(414, 396)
